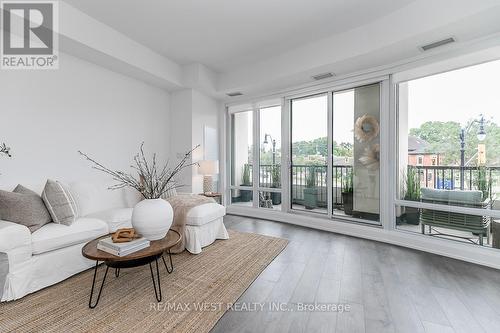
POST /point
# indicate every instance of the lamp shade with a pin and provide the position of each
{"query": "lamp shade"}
(208, 167)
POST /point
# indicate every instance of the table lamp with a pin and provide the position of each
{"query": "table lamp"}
(208, 168)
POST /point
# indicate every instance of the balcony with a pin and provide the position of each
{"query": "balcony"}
(431, 177)
(299, 176)
(445, 224)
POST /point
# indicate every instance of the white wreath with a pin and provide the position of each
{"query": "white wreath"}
(366, 128)
(371, 157)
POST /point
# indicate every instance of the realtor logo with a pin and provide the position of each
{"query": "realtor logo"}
(29, 39)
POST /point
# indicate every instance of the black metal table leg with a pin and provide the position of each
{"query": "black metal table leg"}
(153, 278)
(117, 272)
(165, 263)
(93, 284)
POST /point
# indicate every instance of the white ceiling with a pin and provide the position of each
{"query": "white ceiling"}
(227, 34)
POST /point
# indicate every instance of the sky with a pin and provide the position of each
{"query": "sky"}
(305, 111)
(458, 95)
(309, 119)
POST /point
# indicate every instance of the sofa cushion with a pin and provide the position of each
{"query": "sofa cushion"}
(205, 213)
(24, 207)
(60, 202)
(53, 236)
(42, 214)
(115, 218)
(94, 197)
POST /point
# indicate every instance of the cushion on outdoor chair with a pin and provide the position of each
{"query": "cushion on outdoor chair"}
(452, 197)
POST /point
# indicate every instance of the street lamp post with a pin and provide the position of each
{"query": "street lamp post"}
(274, 146)
(481, 135)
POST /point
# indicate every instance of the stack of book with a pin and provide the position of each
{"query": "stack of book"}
(122, 249)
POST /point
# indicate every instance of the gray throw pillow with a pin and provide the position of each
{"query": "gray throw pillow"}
(60, 203)
(23, 206)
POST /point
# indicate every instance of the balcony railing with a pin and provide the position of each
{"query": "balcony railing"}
(448, 177)
(299, 176)
(438, 177)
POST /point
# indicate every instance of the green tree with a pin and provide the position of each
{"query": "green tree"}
(344, 149)
(315, 151)
(444, 138)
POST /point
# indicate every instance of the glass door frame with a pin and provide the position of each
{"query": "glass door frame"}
(385, 149)
(289, 163)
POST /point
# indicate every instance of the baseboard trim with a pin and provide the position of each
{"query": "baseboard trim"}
(466, 252)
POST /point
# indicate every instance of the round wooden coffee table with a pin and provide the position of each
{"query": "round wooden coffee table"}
(140, 258)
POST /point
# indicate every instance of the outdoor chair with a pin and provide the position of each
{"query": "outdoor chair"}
(477, 225)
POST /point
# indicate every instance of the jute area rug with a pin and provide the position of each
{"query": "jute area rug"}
(195, 296)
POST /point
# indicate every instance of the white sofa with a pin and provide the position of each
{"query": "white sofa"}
(32, 261)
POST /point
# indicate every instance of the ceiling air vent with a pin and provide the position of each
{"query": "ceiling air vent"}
(234, 94)
(322, 76)
(438, 44)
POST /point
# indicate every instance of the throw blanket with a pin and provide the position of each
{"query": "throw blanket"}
(181, 204)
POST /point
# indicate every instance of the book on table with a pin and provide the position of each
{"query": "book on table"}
(122, 249)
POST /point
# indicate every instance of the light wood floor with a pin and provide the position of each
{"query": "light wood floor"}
(389, 288)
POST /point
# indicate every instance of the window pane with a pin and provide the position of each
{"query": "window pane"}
(449, 137)
(271, 200)
(242, 147)
(449, 153)
(309, 153)
(356, 147)
(471, 229)
(241, 197)
(270, 147)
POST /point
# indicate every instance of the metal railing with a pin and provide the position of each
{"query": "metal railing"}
(437, 177)
(448, 177)
(300, 173)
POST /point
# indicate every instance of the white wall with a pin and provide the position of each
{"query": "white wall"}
(46, 116)
(191, 111)
(205, 113)
(180, 132)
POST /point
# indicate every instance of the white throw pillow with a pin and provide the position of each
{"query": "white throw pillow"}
(59, 202)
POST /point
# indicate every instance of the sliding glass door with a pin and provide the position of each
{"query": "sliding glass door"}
(309, 153)
(328, 163)
(335, 148)
(356, 152)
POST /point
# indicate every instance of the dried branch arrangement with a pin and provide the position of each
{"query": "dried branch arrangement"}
(152, 180)
(5, 150)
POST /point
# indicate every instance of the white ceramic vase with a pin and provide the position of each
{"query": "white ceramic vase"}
(152, 218)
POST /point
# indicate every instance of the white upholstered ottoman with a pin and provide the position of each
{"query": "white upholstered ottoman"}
(204, 224)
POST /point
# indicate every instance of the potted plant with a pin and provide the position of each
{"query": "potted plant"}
(311, 191)
(246, 195)
(276, 183)
(412, 193)
(348, 193)
(483, 182)
(151, 217)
